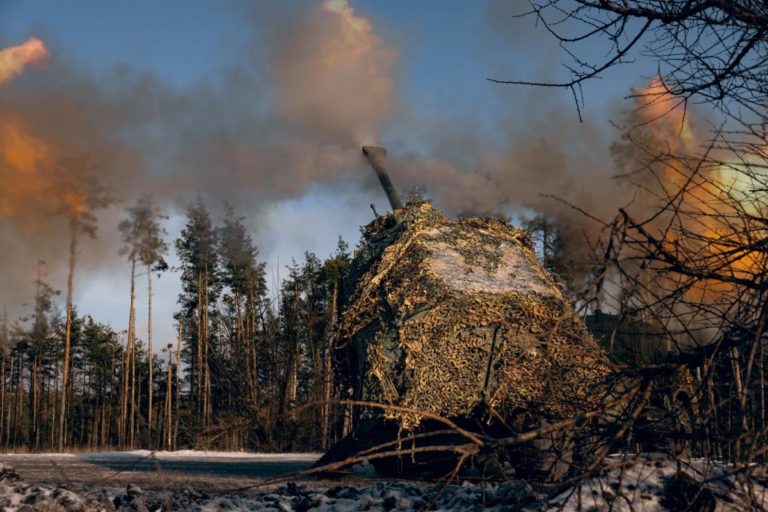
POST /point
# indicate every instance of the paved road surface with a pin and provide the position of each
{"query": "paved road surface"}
(204, 472)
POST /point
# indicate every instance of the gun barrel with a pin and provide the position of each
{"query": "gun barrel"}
(376, 157)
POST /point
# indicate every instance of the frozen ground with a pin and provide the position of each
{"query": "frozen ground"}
(656, 482)
(199, 481)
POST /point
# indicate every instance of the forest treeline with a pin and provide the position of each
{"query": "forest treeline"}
(254, 370)
(244, 373)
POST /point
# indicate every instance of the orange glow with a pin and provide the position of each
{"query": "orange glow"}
(21, 160)
(14, 59)
(705, 225)
(665, 114)
(31, 181)
(19, 149)
(664, 117)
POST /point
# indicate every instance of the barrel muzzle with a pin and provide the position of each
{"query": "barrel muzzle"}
(377, 157)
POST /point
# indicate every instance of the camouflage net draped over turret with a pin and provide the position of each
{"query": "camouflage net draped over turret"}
(445, 315)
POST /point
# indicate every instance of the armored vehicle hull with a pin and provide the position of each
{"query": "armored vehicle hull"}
(457, 318)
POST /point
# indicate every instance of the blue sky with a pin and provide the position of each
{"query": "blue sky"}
(442, 100)
(447, 48)
(181, 41)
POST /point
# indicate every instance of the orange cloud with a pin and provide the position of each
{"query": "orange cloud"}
(13, 60)
(21, 156)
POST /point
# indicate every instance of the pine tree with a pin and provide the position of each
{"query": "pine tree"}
(245, 280)
(305, 300)
(129, 231)
(551, 242)
(78, 203)
(143, 237)
(40, 341)
(95, 357)
(333, 272)
(196, 249)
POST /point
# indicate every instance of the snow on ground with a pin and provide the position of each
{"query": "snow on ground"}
(17, 495)
(651, 482)
(647, 482)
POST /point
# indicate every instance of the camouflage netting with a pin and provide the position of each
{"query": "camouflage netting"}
(444, 315)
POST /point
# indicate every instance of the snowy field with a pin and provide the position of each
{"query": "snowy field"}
(215, 481)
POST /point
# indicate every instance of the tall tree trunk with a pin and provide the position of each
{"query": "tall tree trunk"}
(293, 381)
(199, 348)
(169, 403)
(149, 354)
(178, 389)
(132, 358)
(85, 399)
(40, 420)
(252, 377)
(67, 336)
(121, 413)
(125, 419)
(33, 398)
(106, 425)
(9, 415)
(740, 394)
(44, 410)
(762, 384)
(56, 400)
(2, 393)
(135, 392)
(123, 416)
(292, 376)
(206, 355)
(19, 414)
(254, 349)
(328, 369)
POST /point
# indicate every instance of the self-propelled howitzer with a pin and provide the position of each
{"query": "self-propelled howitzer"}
(457, 318)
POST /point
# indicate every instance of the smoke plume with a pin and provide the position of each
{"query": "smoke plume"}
(334, 76)
(321, 84)
(261, 133)
(13, 60)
